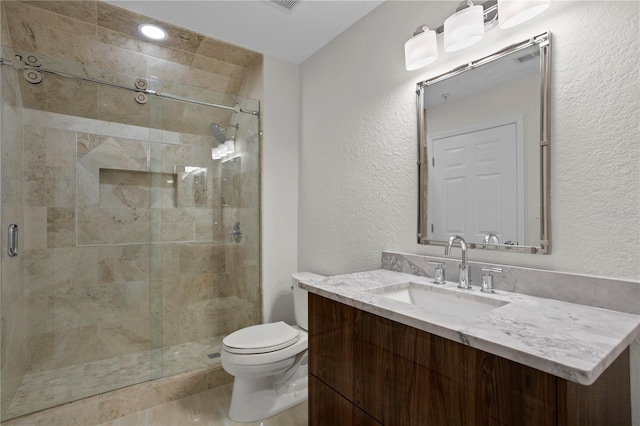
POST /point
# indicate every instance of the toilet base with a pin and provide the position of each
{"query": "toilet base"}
(257, 399)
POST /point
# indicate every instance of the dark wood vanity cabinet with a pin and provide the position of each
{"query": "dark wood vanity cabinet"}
(368, 370)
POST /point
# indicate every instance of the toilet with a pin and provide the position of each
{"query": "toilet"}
(269, 362)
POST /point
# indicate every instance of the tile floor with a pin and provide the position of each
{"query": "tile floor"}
(55, 387)
(206, 408)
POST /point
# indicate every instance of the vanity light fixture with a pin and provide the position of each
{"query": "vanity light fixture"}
(215, 153)
(229, 144)
(152, 31)
(226, 147)
(514, 13)
(467, 27)
(464, 28)
(218, 152)
(421, 49)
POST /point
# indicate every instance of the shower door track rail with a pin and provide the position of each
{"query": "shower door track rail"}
(236, 108)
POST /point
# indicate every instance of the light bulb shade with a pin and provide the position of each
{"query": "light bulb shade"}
(215, 154)
(421, 50)
(222, 150)
(464, 28)
(515, 12)
(229, 146)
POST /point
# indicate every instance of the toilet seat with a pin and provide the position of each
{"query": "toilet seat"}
(262, 338)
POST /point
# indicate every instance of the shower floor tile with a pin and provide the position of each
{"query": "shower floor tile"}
(54, 387)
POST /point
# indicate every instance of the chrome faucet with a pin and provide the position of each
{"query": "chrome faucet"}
(463, 280)
(490, 237)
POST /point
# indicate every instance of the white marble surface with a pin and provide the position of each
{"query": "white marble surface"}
(602, 292)
(571, 341)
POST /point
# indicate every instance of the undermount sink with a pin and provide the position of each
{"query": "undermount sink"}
(436, 299)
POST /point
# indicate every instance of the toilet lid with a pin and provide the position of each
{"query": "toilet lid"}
(261, 338)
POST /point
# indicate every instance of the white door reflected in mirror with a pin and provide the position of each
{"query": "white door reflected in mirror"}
(477, 176)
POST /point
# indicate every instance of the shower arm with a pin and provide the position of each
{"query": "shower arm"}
(236, 108)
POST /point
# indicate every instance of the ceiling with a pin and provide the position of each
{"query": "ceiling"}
(260, 25)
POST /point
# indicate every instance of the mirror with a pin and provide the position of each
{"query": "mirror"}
(484, 151)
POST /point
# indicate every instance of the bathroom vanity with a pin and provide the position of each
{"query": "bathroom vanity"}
(379, 357)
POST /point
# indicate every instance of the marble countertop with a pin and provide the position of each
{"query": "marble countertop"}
(571, 341)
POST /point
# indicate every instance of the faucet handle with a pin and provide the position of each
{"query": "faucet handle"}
(438, 277)
(487, 279)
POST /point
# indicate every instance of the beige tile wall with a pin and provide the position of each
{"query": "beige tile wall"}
(243, 259)
(88, 276)
(115, 28)
(93, 200)
(101, 41)
(12, 301)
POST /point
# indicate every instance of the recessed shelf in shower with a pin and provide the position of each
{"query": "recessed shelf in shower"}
(138, 189)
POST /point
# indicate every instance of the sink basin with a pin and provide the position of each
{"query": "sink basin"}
(440, 300)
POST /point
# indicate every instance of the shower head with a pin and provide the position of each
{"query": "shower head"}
(218, 133)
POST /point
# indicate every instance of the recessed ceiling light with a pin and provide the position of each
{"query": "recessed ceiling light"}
(153, 32)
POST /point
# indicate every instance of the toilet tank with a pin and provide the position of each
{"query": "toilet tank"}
(300, 300)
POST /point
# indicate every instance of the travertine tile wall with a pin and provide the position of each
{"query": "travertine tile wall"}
(12, 302)
(102, 42)
(100, 183)
(243, 259)
(89, 277)
(69, 303)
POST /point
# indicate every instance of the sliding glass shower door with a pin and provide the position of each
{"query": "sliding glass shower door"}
(138, 252)
(206, 236)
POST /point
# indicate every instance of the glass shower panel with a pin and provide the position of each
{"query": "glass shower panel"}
(209, 280)
(79, 315)
(13, 330)
(138, 251)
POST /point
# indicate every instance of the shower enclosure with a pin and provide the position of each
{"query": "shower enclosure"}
(137, 252)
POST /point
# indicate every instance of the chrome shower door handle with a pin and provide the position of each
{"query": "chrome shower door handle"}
(12, 240)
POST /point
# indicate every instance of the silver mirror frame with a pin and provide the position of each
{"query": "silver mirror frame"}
(544, 42)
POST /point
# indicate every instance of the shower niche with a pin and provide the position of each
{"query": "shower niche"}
(127, 188)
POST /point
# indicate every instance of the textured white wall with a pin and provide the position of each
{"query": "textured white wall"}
(279, 188)
(358, 174)
(358, 184)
